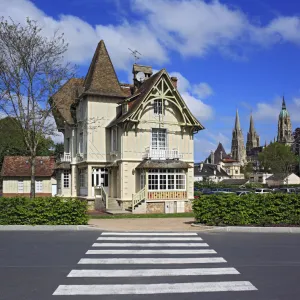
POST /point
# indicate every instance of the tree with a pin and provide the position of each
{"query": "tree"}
(32, 69)
(58, 150)
(278, 158)
(247, 169)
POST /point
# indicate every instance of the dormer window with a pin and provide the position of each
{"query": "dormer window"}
(124, 108)
(158, 107)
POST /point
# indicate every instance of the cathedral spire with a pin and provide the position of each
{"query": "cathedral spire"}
(283, 103)
(251, 128)
(237, 121)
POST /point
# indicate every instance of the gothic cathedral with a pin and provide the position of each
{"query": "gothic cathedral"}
(284, 134)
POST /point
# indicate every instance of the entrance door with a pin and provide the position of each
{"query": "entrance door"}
(99, 178)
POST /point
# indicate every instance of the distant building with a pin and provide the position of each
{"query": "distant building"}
(16, 174)
(238, 182)
(209, 173)
(284, 134)
(283, 179)
(259, 177)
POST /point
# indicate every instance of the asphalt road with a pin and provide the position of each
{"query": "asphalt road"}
(34, 265)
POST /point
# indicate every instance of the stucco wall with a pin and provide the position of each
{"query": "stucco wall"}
(10, 185)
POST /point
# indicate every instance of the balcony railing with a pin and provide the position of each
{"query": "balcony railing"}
(162, 154)
(66, 157)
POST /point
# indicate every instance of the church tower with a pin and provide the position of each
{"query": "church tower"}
(284, 134)
(252, 137)
(238, 151)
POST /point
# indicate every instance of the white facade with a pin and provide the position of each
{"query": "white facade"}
(291, 179)
(259, 177)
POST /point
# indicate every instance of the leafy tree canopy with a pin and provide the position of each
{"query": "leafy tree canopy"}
(278, 158)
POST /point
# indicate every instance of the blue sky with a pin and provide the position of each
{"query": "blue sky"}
(228, 55)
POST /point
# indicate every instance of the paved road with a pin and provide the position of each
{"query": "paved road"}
(73, 265)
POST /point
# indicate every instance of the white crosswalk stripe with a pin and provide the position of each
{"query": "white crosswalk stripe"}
(122, 251)
(155, 251)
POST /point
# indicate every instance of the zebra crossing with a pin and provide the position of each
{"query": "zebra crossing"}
(151, 263)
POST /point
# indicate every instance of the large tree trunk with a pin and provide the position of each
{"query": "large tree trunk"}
(32, 183)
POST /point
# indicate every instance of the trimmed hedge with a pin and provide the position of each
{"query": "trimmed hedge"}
(42, 211)
(252, 209)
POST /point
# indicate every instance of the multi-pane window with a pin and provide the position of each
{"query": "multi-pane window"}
(20, 186)
(142, 180)
(159, 138)
(100, 177)
(166, 179)
(83, 178)
(158, 107)
(66, 179)
(38, 186)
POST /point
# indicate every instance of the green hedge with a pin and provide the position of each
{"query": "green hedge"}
(252, 209)
(42, 211)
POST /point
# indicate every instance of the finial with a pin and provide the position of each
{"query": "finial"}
(283, 103)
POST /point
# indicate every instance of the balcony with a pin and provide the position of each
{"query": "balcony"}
(161, 154)
(66, 157)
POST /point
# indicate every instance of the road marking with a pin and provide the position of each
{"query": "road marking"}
(162, 245)
(153, 272)
(154, 251)
(179, 260)
(149, 239)
(150, 233)
(161, 288)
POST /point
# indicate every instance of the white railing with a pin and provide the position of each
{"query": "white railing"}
(65, 157)
(138, 197)
(100, 191)
(162, 153)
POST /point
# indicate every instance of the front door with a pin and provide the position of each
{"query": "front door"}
(99, 178)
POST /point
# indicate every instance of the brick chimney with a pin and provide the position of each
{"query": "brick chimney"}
(174, 81)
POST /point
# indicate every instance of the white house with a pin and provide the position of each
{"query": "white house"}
(209, 173)
(127, 146)
(259, 177)
(283, 179)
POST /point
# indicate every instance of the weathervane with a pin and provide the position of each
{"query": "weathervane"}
(136, 54)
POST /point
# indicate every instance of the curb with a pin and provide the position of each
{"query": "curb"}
(48, 228)
(249, 229)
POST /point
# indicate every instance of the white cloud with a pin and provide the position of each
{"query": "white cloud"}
(202, 90)
(202, 148)
(199, 109)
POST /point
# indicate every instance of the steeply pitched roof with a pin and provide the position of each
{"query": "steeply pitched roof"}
(101, 77)
(237, 125)
(136, 100)
(62, 100)
(279, 176)
(208, 170)
(19, 166)
(219, 154)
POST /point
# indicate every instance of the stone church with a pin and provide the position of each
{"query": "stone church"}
(250, 153)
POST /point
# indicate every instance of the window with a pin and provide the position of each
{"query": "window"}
(159, 139)
(81, 142)
(68, 145)
(20, 186)
(142, 180)
(158, 107)
(83, 178)
(114, 141)
(164, 179)
(236, 171)
(66, 179)
(38, 186)
(100, 177)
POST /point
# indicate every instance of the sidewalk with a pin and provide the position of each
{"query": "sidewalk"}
(145, 224)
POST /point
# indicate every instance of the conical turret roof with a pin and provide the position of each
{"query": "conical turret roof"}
(101, 77)
(237, 125)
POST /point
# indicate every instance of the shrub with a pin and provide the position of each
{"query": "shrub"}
(42, 211)
(252, 209)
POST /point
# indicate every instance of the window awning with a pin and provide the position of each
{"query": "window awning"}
(163, 164)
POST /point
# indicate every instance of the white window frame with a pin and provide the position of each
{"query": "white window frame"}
(20, 186)
(124, 108)
(39, 186)
(159, 139)
(66, 179)
(114, 139)
(83, 178)
(142, 179)
(158, 106)
(166, 180)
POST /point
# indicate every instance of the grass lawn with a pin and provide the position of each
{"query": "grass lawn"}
(142, 216)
